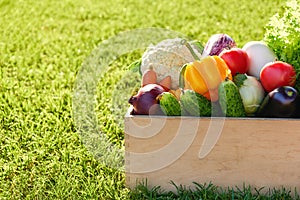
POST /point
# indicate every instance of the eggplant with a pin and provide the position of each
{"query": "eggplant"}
(217, 43)
(282, 102)
(297, 112)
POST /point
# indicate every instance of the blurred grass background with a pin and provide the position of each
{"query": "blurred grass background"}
(42, 47)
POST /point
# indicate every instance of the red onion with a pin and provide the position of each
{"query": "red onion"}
(145, 102)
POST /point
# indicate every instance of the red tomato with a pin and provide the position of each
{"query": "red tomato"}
(236, 59)
(277, 74)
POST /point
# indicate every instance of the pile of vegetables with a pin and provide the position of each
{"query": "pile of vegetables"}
(219, 78)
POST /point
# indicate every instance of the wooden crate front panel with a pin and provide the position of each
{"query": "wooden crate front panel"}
(258, 152)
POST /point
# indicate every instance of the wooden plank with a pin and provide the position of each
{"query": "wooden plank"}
(258, 152)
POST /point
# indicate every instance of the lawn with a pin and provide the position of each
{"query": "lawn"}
(43, 47)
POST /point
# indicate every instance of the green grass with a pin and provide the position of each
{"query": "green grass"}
(43, 45)
(211, 191)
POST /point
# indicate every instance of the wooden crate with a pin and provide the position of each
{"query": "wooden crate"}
(224, 151)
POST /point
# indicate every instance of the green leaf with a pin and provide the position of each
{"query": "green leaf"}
(239, 79)
(136, 66)
(198, 45)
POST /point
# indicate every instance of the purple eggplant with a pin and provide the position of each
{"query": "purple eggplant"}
(281, 102)
(217, 43)
(297, 111)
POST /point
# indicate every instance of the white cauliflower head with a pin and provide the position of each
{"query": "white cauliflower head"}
(166, 59)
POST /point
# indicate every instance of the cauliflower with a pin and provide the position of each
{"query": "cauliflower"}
(166, 59)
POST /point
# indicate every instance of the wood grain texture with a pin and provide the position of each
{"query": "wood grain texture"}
(251, 151)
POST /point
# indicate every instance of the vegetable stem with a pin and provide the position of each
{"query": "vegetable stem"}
(185, 42)
(239, 79)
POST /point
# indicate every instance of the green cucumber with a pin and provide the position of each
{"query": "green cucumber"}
(169, 104)
(195, 104)
(230, 99)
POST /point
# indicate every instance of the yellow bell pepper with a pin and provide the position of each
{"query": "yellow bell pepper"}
(204, 75)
